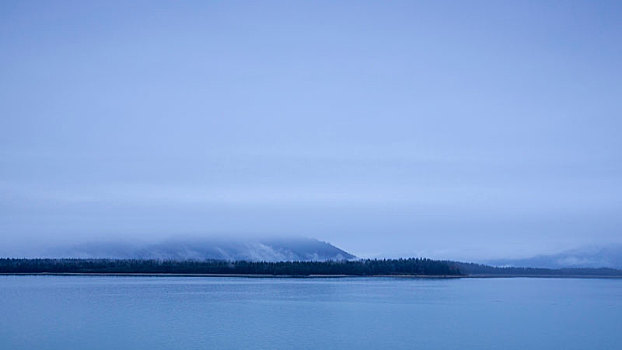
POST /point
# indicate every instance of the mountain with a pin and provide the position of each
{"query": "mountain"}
(233, 249)
(587, 257)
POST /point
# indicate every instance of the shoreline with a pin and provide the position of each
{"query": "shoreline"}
(129, 274)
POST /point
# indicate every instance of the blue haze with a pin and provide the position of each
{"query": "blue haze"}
(446, 129)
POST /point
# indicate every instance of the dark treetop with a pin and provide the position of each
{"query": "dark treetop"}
(390, 267)
(290, 268)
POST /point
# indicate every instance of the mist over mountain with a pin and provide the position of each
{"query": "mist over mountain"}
(233, 249)
(589, 257)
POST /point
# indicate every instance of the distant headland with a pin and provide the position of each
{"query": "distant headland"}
(285, 257)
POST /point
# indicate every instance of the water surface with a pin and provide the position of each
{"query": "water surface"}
(88, 312)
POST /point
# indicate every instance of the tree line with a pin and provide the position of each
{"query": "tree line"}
(472, 269)
(369, 267)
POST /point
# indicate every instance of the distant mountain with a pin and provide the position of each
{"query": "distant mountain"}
(233, 249)
(589, 257)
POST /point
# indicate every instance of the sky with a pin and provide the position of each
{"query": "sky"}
(448, 129)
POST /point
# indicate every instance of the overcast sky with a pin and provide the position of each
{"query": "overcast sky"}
(447, 129)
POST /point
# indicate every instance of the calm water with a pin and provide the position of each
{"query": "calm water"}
(47, 312)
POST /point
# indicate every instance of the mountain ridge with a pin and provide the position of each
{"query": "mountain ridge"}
(609, 256)
(213, 248)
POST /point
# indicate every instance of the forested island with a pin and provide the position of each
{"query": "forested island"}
(365, 267)
(369, 267)
(479, 270)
